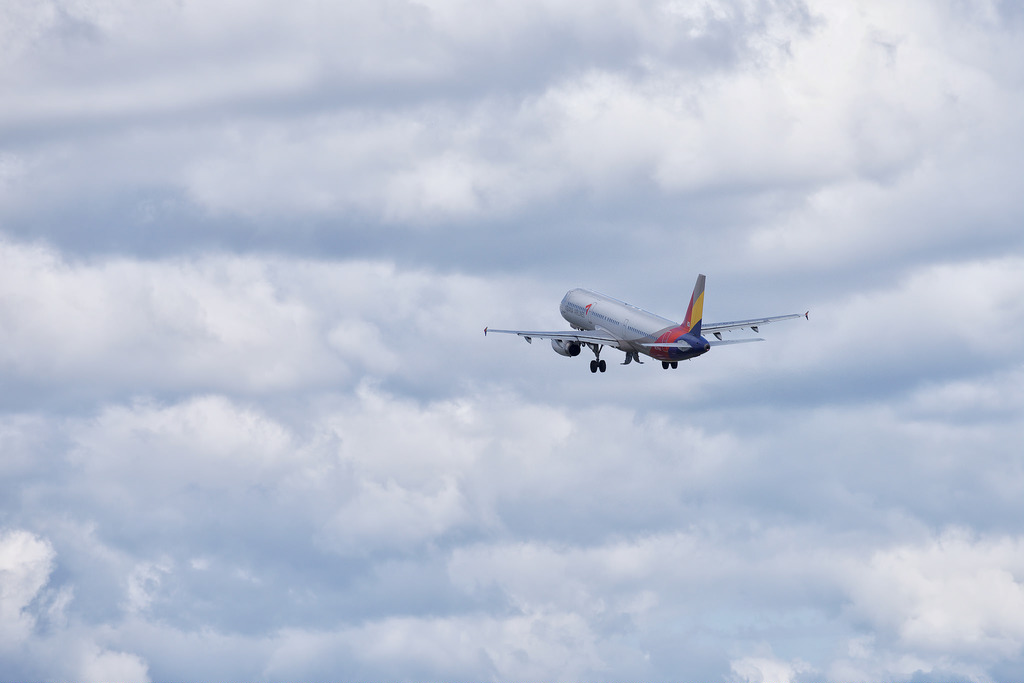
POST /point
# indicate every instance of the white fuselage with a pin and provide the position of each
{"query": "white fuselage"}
(632, 326)
(588, 310)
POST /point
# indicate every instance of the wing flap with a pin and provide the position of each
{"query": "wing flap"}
(582, 337)
(752, 323)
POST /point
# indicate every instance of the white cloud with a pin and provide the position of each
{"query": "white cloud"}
(204, 439)
(524, 647)
(389, 516)
(106, 665)
(849, 97)
(250, 464)
(933, 322)
(25, 565)
(371, 474)
(143, 582)
(374, 476)
(36, 637)
(756, 669)
(242, 324)
(956, 594)
(970, 399)
(125, 322)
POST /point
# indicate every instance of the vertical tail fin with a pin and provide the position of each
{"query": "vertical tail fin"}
(695, 312)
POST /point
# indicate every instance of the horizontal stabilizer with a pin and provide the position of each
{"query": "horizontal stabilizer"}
(726, 342)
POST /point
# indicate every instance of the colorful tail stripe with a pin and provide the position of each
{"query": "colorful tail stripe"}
(690, 325)
(695, 312)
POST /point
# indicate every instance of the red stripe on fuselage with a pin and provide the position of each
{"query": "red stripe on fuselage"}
(670, 336)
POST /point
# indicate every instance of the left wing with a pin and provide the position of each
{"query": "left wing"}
(582, 337)
(753, 323)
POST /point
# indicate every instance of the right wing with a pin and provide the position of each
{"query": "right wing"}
(718, 328)
(581, 337)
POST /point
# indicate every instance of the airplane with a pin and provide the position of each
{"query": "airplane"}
(598, 320)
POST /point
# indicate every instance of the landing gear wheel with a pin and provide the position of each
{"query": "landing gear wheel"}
(593, 366)
(602, 366)
(675, 364)
(664, 365)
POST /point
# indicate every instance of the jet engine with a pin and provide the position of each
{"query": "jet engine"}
(565, 348)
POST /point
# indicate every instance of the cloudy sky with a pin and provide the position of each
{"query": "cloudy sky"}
(250, 427)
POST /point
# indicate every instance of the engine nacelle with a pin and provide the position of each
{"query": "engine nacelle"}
(565, 348)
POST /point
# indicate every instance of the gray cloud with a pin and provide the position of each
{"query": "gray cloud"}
(810, 112)
(250, 427)
(538, 517)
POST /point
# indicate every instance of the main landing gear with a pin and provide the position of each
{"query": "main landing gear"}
(597, 364)
(665, 364)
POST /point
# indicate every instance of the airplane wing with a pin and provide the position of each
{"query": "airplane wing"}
(582, 337)
(753, 323)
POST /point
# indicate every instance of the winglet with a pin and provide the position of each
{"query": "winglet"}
(807, 315)
(485, 331)
(695, 311)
